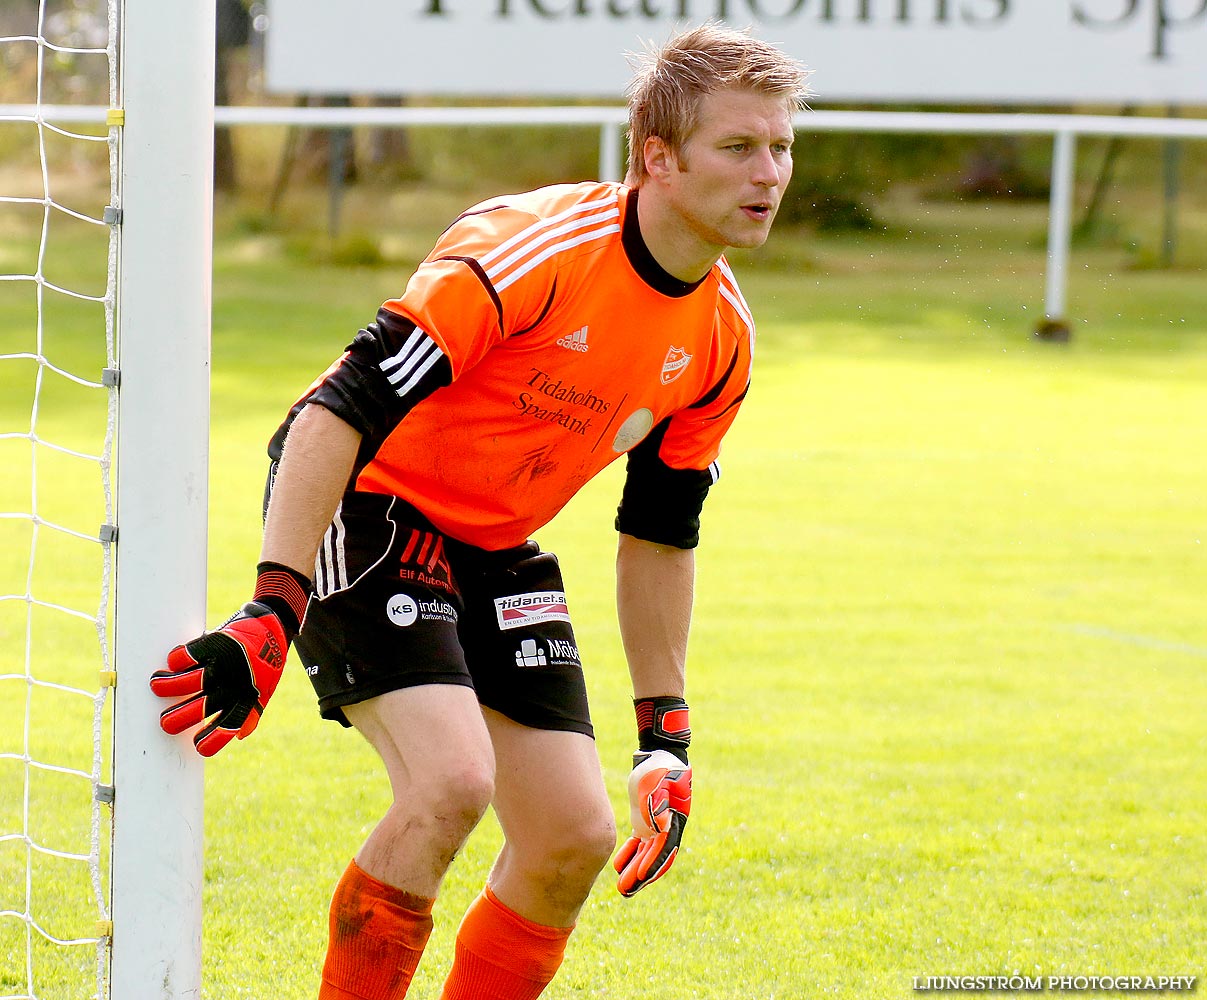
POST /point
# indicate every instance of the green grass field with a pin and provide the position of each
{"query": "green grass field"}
(948, 664)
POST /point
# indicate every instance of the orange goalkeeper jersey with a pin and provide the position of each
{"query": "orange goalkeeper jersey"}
(565, 345)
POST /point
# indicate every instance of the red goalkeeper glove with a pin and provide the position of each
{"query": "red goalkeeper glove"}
(227, 676)
(660, 794)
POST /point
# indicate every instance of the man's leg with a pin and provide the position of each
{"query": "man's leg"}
(559, 833)
(437, 753)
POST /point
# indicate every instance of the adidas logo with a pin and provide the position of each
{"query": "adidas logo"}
(576, 341)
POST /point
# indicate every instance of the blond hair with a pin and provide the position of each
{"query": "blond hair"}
(669, 83)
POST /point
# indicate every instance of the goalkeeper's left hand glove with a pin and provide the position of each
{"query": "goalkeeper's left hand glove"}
(660, 794)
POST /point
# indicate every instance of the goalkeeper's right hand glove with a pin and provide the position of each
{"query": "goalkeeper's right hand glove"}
(226, 677)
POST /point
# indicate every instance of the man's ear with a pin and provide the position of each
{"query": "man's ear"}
(660, 161)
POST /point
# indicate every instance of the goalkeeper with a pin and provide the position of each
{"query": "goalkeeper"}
(546, 334)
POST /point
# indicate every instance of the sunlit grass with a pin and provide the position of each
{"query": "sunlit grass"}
(947, 663)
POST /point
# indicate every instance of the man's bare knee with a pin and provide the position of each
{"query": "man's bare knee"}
(596, 844)
(447, 794)
(568, 863)
(459, 792)
(426, 826)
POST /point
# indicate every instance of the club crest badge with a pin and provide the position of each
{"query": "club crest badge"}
(677, 360)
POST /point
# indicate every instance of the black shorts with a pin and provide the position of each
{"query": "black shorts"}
(398, 604)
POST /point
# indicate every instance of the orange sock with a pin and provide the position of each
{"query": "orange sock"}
(502, 956)
(377, 934)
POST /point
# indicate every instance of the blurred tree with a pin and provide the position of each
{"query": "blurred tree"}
(1092, 224)
(316, 153)
(835, 180)
(233, 30)
(996, 168)
(390, 156)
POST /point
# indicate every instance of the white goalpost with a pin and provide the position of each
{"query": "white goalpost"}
(163, 295)
(100, 812)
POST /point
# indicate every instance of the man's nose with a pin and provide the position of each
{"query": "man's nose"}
(764, 169)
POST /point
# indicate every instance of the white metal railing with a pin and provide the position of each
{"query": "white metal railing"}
(610, 120)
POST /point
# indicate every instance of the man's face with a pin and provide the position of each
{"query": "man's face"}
(727, 181)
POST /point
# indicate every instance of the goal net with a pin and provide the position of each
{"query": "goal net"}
(57, 426)
(103, 423)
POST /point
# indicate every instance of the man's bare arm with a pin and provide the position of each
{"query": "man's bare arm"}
(655, 586)
(314, 471)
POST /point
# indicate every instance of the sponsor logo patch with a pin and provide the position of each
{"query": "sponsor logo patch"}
(636, 426)
(531, 609)
(548, 653)
(424, 562)
(404, 611)
(530, 655)
(563, 653)
(553, 401)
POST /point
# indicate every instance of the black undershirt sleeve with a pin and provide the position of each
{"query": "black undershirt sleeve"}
(389, 368)
(661, 504)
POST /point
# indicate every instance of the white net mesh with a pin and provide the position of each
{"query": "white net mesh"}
(58, 212)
